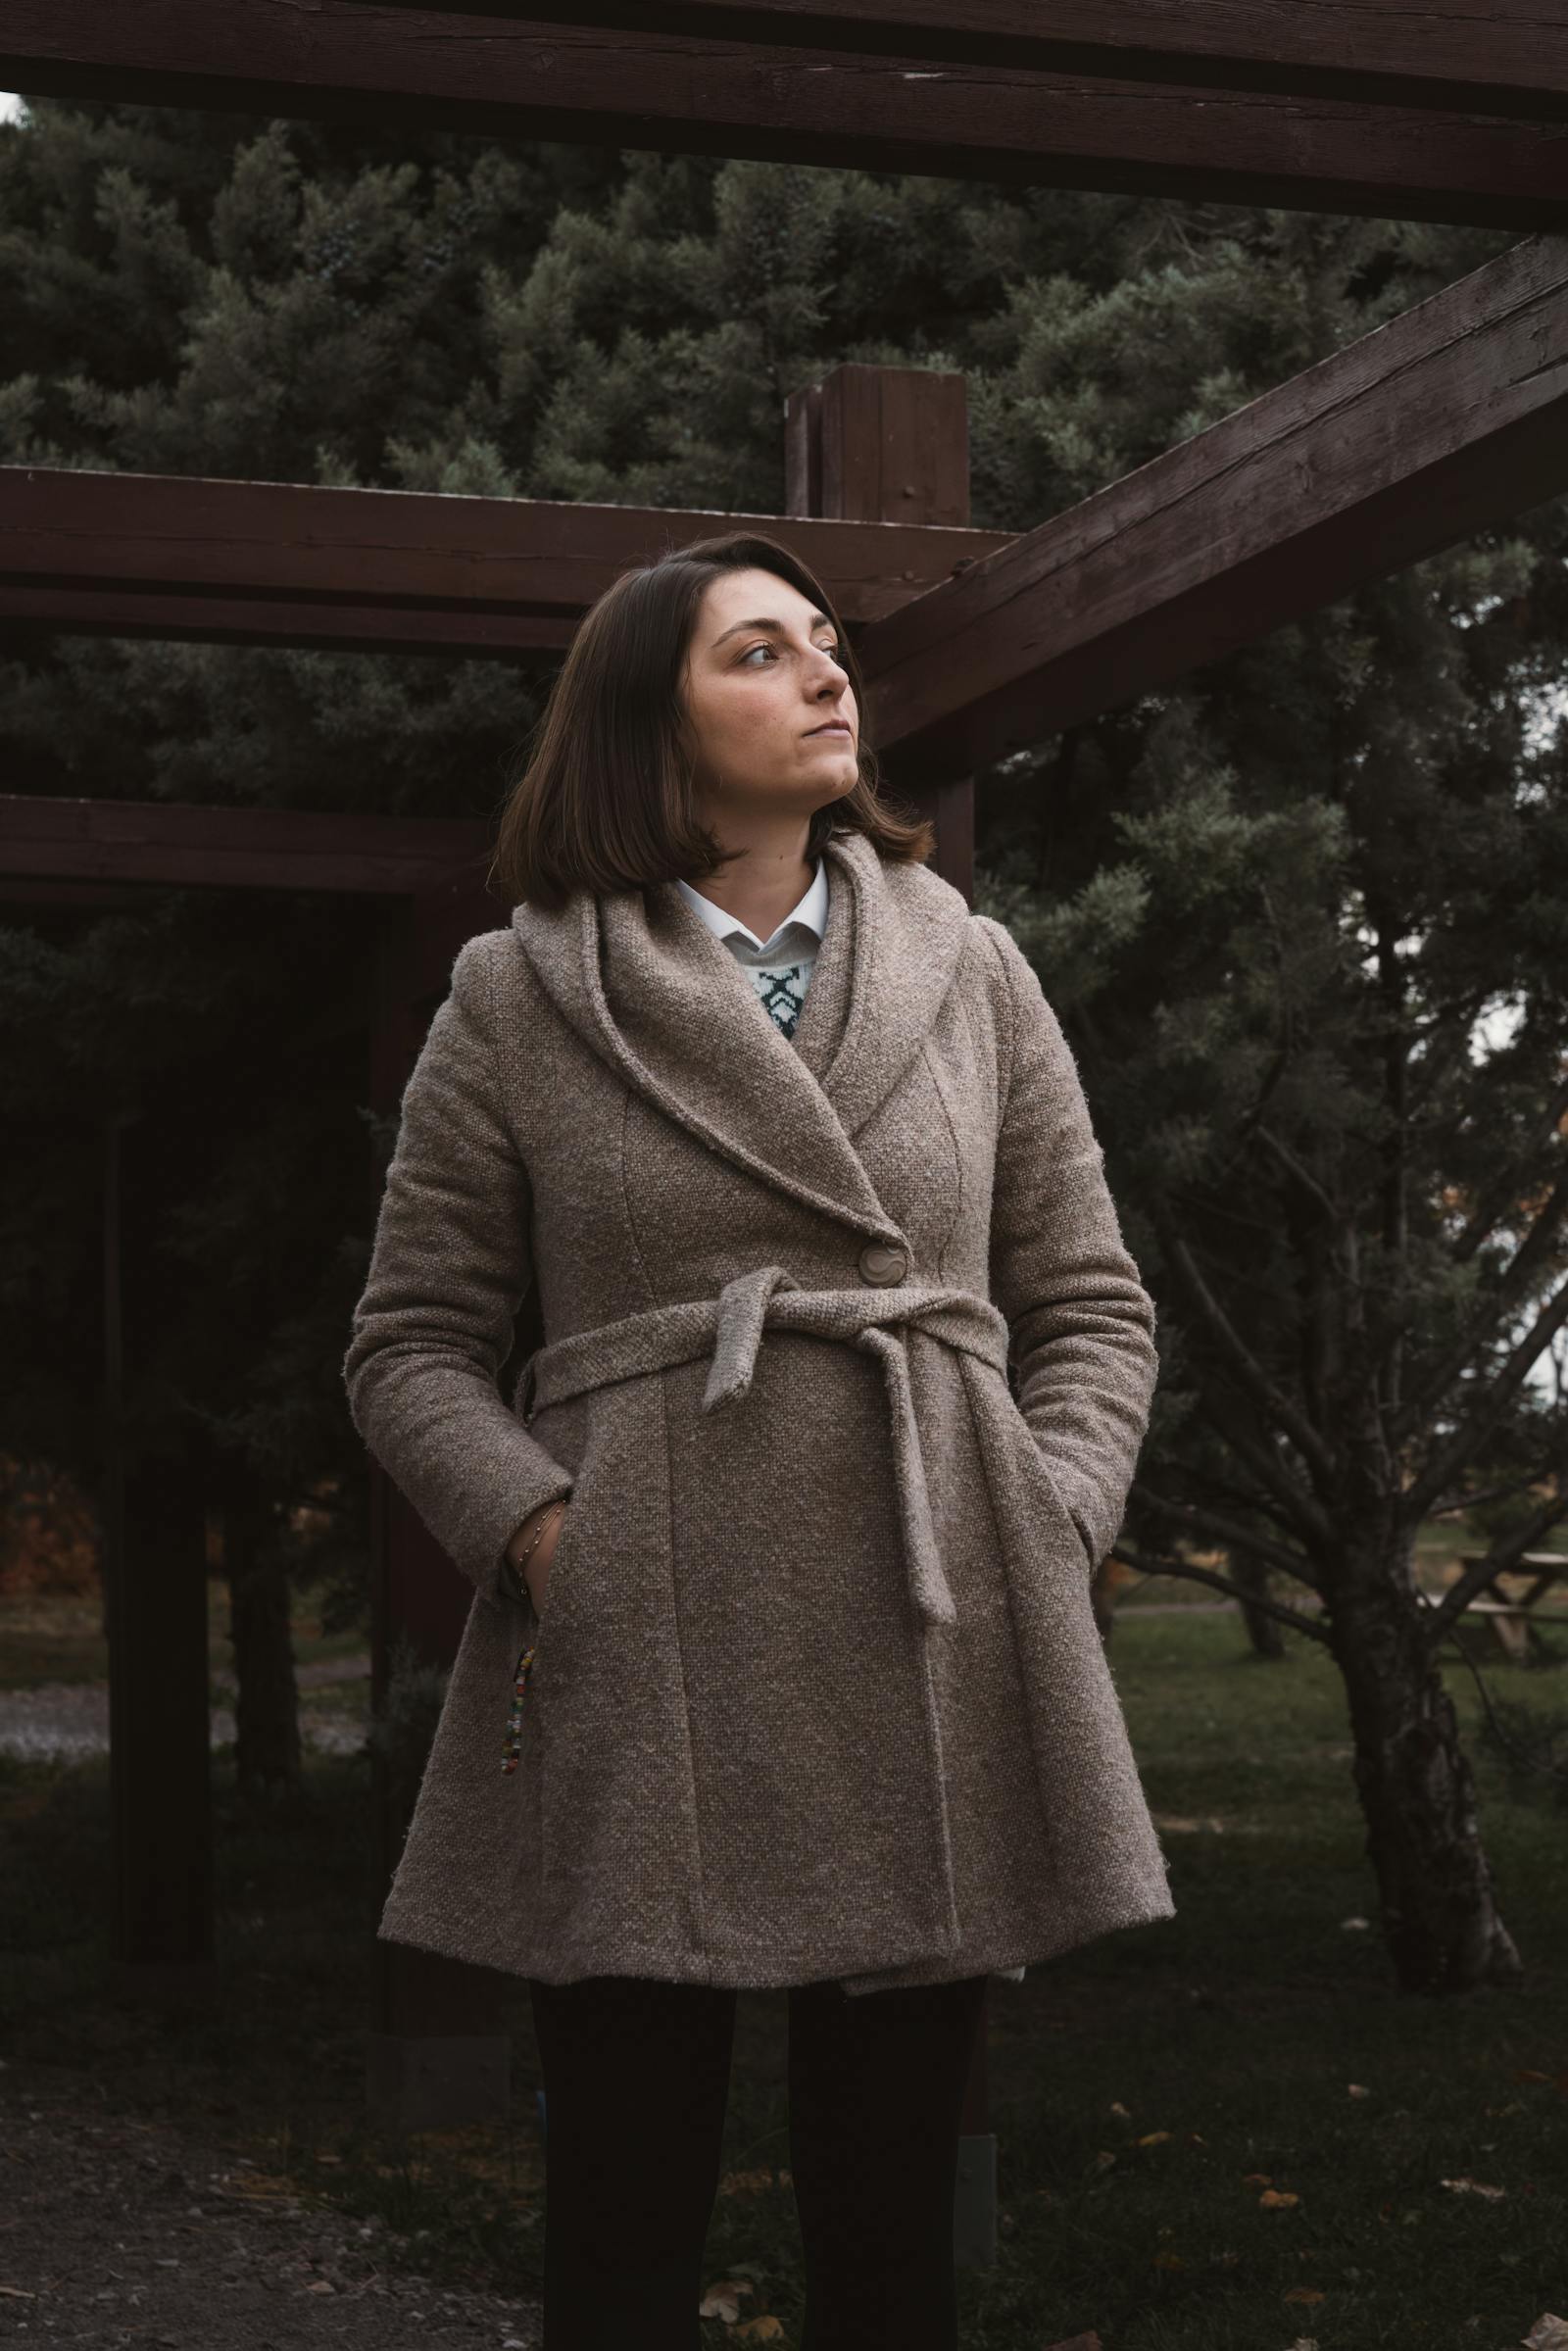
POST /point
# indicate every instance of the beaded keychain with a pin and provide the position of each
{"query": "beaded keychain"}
(520, 1671)
(525, 1656)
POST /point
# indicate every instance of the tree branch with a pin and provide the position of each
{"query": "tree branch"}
(1502, 1556)
(1525, 1482)
(1308, 1444)
(1159, 1563)
(1302, 1176)
(1468, 1439)
(1505, 1191)
(1297, 1509)
(1527, 1259)
(1199, 1520)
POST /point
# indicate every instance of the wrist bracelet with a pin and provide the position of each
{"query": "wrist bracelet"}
(534, 1539)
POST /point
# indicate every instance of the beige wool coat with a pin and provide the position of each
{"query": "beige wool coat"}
(818, 1690)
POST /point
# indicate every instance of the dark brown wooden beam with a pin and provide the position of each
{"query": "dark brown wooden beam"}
(125, 612)
(455, 574)
(879, 445)
(872, 443)
(76, 898)
(239, 849)
(1449, 418)
(498, 75)
(154, 1609)
(1510, 57)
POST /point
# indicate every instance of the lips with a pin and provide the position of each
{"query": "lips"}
(834, 727)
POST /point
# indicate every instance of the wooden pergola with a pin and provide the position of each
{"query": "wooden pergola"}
(1449, 418)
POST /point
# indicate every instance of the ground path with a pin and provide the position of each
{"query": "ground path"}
(137, 2234)
(67, 1720)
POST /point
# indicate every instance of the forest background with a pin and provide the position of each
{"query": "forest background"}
(1305, 915)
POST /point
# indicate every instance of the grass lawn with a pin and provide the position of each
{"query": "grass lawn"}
(1152, 2093)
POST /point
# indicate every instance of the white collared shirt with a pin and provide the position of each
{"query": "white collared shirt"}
(781, 967)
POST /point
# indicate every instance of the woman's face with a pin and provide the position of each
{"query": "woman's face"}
(770, 716)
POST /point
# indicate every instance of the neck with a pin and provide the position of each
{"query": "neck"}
(760, 885)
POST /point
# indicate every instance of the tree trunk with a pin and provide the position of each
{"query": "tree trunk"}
(266, 1724)
(1440, 1921)
(1264, 1632)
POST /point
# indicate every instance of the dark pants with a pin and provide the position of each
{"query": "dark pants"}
(636, 2076)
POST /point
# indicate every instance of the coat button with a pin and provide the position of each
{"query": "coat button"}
(879, 1264)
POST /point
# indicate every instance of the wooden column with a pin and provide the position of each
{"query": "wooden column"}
(437, 2052)
(892, 445)
(889, 445)
(155, 1593)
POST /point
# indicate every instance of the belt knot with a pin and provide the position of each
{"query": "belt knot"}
(743, 1313)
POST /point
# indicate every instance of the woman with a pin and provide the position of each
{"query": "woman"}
(809, 1690)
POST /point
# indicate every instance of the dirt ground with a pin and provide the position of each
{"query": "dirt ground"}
(135, 2235)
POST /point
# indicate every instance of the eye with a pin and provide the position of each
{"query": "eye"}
(746, 657)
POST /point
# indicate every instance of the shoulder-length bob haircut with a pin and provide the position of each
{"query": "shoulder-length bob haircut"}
(606, 799)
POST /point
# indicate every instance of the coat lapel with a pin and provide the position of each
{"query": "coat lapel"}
(652, 991)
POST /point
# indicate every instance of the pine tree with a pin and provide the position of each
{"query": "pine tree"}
(1282, 909)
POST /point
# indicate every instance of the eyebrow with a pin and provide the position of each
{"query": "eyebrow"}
(776, 627)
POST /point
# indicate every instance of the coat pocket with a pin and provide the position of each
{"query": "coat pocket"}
(1046, 1486)
(535, 1619)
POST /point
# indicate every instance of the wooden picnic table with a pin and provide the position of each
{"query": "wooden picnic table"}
(1512, 1620)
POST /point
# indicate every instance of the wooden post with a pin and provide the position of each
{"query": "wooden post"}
(892, 445)
(155, 1593)
(437, 2052)
(889, 445)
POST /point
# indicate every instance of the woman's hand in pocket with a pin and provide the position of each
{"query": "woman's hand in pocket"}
(535, 1569)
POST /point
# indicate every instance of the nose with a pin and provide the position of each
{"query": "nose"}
(831, 677)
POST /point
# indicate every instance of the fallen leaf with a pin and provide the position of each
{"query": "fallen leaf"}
(1473, 2187)
(1358, 2089)
(1301, 2293)
(722, 2301)
(1256, 2178)
(1548, 2333)
(1355, 1926)
(1151, 2138)
(746, 2184)
(1169, 2261)
(1278, 2196)
(761, 2330)
(1116, 2107)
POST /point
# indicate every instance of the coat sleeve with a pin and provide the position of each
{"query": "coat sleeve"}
(1081, 1322)
(450, 1266)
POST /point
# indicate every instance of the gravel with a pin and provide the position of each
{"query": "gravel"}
(136, 2234)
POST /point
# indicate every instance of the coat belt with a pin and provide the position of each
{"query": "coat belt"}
(729, 1328)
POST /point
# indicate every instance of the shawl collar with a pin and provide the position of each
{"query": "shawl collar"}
(649, 989)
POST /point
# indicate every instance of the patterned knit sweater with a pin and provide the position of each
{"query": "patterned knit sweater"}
(779, 969)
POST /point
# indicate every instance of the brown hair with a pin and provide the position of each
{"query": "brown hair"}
(605, 801)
